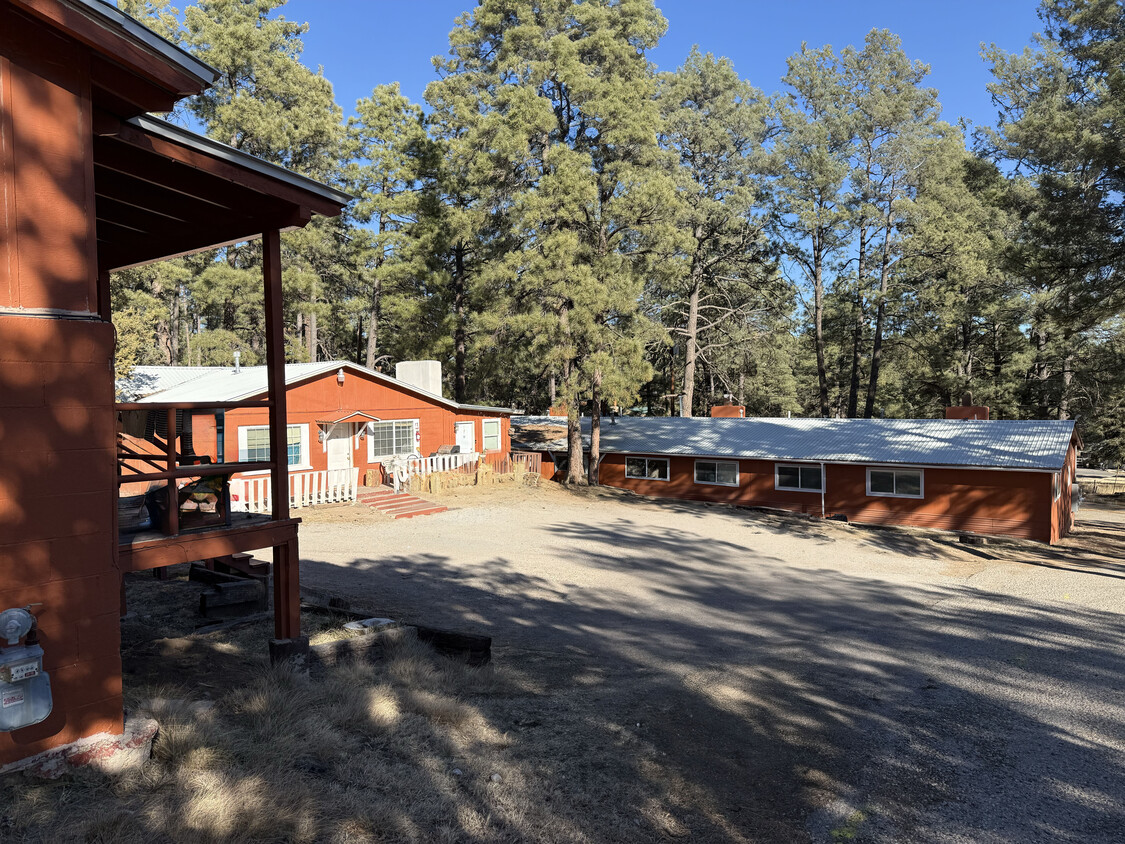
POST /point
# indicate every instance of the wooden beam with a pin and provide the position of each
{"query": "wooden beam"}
(286, 561)
(275, 370)
(286, 590)
(205, 544)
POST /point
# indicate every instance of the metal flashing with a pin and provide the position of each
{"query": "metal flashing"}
(108, 16)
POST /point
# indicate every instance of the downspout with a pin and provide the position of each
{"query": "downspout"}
(823, 484)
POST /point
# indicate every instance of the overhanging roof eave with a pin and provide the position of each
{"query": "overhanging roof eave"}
(200, 143)
(117, 23)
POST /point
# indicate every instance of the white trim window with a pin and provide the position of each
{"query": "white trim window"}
(254, 445)
(798, 477)
(647, 468)
(896, 483)
(388, 438)
(717, 472)
(490, 434)
(1056, 486)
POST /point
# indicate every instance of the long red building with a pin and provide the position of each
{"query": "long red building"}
(1007, 478)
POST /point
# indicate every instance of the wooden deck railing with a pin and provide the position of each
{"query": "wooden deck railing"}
(143, 462)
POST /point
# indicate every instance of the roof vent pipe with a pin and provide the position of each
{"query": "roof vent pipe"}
(237, 361)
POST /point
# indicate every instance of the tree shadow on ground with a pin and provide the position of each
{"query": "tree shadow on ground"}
(754, 701)
(665, 685)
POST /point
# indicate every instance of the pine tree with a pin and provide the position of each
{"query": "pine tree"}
(716, 125)
(556, 102)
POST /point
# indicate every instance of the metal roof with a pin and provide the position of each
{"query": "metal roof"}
(998, 444)
(111, 18)
(223, 384)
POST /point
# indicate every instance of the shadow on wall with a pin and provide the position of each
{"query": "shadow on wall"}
(57, 498)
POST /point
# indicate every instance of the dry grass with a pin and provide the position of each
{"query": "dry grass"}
(364, 753)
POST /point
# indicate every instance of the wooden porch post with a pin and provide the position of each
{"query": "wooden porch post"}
(286, 587)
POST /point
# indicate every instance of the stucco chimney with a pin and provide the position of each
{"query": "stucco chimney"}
(423, 374)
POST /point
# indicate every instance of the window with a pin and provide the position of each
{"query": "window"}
(385, 439)
(722, 472)
(895, 483)
(1056, 487)
(648, 468)
(797, 477)
(254, 444)
(490, 433)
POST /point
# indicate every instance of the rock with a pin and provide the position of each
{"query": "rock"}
(496, 778)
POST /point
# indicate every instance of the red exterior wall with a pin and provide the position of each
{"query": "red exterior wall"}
(322, 398)
(728, 411)
(58, 535)
(1003, 503)
(1062, 510)
(967, 412)
(47, 226)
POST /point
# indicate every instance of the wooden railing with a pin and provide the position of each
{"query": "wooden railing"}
(146, 462)
(306, 489)
(532, 461)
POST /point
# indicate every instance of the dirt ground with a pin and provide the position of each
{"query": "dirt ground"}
(661, 671)
(778, 678)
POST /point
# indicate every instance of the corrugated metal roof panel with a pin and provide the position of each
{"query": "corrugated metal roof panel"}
(223, 384)
(998, 444)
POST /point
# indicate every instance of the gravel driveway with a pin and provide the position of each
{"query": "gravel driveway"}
(788, 679)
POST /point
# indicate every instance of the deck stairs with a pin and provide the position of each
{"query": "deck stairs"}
(400, 505)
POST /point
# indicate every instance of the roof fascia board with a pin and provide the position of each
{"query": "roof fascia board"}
(91, 21)
(394, 383)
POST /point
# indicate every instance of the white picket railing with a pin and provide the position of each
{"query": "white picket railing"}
(306, 489)
(401, 469)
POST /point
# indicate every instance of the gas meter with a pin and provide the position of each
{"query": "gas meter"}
(25, 690)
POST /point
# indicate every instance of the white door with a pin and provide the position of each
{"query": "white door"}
(339, 447)
(466, 436)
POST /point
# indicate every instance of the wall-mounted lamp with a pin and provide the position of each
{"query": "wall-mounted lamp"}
(322, 435)
(340, 376)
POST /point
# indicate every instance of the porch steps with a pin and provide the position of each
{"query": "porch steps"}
(401, 505)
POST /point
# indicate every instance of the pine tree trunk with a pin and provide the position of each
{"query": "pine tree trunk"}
(857, 328)
(1042, 373)
(595, 428)
(1067, 378)
(312, 336)
(818, 323)
(574, 472)
(692, 351)
(551, 388)
(880, 312)
(373, 317)
(459, 331)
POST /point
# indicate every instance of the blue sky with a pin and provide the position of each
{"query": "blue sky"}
(363, 43)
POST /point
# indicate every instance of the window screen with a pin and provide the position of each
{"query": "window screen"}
(647, 468)
(900, 483)
(805, 478)
(490, 432)
(389, 438)
(258, 444)
(716, 472)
